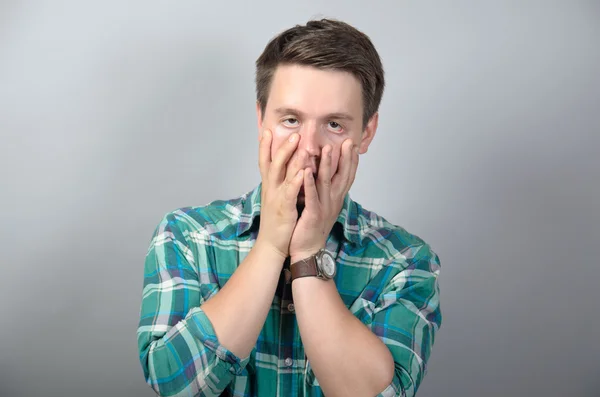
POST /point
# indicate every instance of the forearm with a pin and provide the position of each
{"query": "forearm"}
(238, 311)
(346, 357)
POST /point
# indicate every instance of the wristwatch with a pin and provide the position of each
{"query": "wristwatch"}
(321, 265)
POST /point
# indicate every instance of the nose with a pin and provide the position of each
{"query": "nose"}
(311, 140)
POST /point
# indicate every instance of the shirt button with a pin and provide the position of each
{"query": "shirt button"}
(288, 362)
(291, 307)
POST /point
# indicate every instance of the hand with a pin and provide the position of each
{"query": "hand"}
(323, 201)
(279, 193)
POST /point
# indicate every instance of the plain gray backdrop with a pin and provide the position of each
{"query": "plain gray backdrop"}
(114, 113)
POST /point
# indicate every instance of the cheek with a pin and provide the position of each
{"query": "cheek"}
(280, 136)
(281, 132)
(277, 143)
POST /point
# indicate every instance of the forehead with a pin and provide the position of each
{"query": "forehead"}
(315, 91)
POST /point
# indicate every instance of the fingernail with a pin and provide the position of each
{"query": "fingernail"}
(293, 138)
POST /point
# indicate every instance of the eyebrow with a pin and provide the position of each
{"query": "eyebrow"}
(336, 115)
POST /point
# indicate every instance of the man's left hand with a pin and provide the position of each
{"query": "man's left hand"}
(323, 201)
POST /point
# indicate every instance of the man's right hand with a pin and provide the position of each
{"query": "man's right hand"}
(280, 187)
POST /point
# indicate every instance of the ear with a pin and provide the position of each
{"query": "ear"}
(368, 134)
(259, 118)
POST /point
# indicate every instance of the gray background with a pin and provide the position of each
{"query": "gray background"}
(113, 113)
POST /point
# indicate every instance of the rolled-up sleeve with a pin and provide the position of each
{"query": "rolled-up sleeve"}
(178, 348)
(406, 316)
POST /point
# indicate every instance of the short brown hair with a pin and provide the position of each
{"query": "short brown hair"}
(325, 44)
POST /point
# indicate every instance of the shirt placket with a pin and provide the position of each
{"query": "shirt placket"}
(291, 352)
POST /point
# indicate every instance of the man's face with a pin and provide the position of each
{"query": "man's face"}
(323, 107)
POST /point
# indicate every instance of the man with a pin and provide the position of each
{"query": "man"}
(294, 289)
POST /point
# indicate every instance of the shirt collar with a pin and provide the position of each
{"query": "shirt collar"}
(347, 219)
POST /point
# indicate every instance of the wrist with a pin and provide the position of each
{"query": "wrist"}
(300, 255)
(264, 249)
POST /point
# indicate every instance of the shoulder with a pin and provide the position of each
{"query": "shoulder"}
(393, 244)
(214, 220)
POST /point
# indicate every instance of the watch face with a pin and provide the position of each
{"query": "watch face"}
(327, 264)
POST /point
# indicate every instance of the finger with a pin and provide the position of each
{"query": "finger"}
(340, 179)
(353, 168)
(311, 197)
(283, 155)
(264, 154)
(324, 175)
(296, 164)
(292, 188)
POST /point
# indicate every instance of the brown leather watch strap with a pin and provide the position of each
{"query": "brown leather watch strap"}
(304, 268)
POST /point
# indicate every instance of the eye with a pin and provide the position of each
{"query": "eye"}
(290, 122)
(335, 126)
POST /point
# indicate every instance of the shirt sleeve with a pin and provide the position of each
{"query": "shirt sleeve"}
(405, 316)
(178, 348)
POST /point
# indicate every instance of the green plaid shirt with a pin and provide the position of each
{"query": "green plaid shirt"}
(387, 277)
